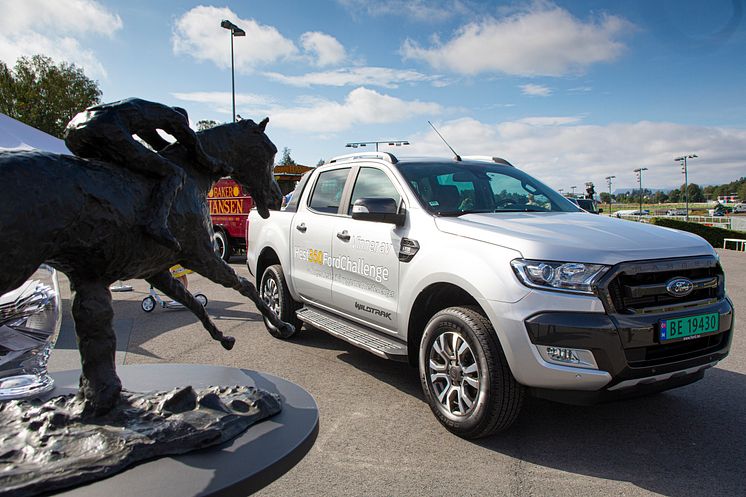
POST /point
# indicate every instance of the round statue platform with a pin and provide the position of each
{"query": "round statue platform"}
(254, 459)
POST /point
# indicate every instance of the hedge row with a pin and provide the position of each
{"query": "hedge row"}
(713, 235)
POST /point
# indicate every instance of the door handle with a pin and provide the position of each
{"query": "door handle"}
(344, 236)
(301, 227)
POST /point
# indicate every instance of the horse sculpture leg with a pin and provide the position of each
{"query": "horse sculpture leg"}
(218, 271)
(164, 282)
(93, 313)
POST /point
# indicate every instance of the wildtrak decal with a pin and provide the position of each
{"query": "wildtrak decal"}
(372, 310)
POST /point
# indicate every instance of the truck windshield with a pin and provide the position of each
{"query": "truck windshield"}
(457, 188)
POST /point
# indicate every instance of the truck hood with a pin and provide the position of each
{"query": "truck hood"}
(576, 236)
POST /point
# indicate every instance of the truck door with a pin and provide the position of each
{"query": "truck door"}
(366, 261)
(311, 235)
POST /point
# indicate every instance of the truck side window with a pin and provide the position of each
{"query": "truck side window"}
(373, 182)
(327, 193)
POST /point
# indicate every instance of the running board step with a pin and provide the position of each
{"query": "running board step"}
(355, 334)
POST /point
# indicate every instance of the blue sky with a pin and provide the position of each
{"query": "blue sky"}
(568, 91)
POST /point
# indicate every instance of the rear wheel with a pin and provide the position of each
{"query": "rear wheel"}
(148, 304)
(465, 376)
(274, 291)
(222, 245)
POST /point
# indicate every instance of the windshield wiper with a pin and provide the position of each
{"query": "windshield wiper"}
(461, 213)
(521, 210)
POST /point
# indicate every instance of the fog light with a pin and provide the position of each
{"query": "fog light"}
(579, 358)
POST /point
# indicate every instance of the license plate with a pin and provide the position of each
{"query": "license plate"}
(689, 327)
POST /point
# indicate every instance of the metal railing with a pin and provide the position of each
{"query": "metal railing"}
(717, 221)
(738, 244)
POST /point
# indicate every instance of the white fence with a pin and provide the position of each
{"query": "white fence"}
(736, 244)
(717, 221)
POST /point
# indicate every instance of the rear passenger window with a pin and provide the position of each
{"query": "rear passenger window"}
(327, 193)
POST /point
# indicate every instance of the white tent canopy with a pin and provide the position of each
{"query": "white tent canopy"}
(14, 135)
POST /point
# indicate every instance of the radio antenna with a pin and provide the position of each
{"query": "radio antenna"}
(456, 156)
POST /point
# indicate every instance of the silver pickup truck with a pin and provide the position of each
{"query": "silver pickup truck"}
(491, 283)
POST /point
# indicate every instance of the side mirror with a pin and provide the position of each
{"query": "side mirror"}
(377, 209)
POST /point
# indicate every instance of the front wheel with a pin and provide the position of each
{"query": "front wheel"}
(465, 376)
(201, 298)
(274, 292)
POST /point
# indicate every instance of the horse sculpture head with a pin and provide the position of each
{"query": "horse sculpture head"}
(245, 148)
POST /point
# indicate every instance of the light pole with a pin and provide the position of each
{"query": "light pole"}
(391, 143)
(639, 178)
(235, 31)
(685, 172)
(608, 182)
(560, 191)
(573, 191)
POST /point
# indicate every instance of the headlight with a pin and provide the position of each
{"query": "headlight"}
(574, 277)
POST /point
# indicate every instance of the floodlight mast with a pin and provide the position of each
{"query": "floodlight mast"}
(235, 31)
(639, 178)
(608, 182)
(685, 171)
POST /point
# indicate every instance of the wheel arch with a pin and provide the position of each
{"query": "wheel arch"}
(433, 298)
(268, 257)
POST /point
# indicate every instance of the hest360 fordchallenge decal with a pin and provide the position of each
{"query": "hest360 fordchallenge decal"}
(353, 265)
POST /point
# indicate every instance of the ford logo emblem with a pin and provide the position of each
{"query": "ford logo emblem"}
(679, 287)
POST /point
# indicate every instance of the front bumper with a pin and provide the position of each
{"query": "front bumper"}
(628, 349)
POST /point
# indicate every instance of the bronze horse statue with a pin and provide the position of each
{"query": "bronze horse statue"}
(85, 217)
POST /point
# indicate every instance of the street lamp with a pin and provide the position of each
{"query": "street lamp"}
(573, 191)
(235, 31)
(608, 182)
(685, 172)
(639, 178)
(391, 143)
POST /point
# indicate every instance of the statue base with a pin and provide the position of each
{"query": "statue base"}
(50, 445)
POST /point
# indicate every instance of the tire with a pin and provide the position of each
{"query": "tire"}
(274, 291)
(148, 304)
(472, 393)
(201, 298)
(222, 245)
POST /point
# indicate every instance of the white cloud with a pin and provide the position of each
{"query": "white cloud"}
(198, 33)
(325, 49)
(221, 101)
(549, 121)
(567, 155)
(541, 40)
(536, 90)
(361, 106)
(417, 10)
(54, 29)
(371, 76)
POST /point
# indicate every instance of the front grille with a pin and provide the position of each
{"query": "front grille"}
(640, 288)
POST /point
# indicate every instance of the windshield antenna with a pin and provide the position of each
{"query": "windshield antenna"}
(456, 156)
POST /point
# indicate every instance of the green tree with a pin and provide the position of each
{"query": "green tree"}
(45, 95)
(695, 193)
(742, 192)
(605, 197)
(674, 196)
(286, 159)
(320, 162)
(206, 124)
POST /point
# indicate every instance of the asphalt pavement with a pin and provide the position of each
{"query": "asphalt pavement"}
(378, 437)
